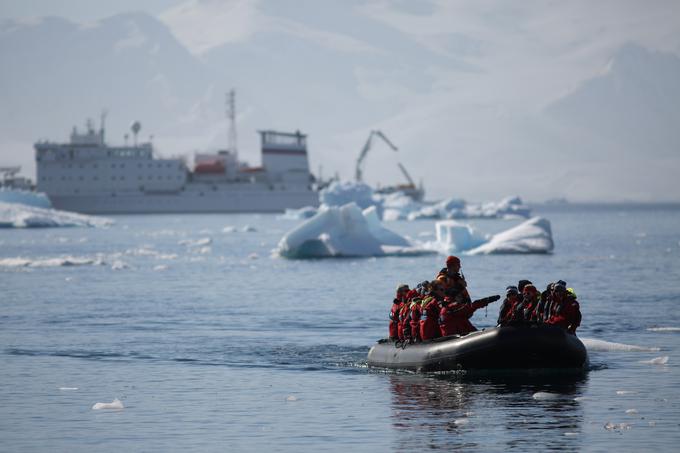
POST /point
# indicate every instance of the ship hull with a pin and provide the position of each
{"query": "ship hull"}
(237, 201)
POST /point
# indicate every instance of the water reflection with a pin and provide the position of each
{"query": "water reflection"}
(478, 411)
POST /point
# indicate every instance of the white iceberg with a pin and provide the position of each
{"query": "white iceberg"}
(455, 237)
(116, 404)
(342, 232)
(532, 236)
(23, 216)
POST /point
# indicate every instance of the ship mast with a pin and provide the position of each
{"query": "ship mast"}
(231, 116)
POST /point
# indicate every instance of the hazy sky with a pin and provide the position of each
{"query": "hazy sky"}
(473, 92)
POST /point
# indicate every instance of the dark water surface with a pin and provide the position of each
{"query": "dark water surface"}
(220, 347)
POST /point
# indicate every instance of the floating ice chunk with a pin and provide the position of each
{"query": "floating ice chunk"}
(195, 242)
(631, 411)
(67, 389)
(343, 231)
(664, 329)
(571, 434)
(546, 396)
(593, 344)
(625, 392)
(248, 229)
(452, 237)
(204, 250)
(160, 267)
(616, 426)
(663, 360)
(24, 216)
(50, 262)
(532, 236)
(300, 214)
(115, 404)
(291, 398)
(119, 265)
(461, 421)
(229, 229)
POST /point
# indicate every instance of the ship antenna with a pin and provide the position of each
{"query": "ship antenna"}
(231, 116)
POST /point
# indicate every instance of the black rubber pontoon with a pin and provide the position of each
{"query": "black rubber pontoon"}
(507, 347)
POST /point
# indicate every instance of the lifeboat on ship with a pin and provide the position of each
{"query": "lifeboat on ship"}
(524, 346)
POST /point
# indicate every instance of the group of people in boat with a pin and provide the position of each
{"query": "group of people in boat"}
(443, 307)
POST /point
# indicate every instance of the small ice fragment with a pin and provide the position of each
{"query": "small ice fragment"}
(625, 392)
(578, 399)
(291, 398)
(160, 267)
(229, 229)
(571, 434)
(663, 360)
(631, 411)
(469, 414)
(119, 265)
(652, 423)
(115, 404)
(461, 421)
(664, 329)
(64, 389)
(545, 396)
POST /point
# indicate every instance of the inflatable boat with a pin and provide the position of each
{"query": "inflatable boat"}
(508, 347)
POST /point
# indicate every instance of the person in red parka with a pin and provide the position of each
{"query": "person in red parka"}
(429, 317)
(452, 279)
(399, 300)
(565, 310)
(455, 314)
(404, 326)
(509, 305)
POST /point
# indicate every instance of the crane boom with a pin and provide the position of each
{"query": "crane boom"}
(364, 151)
(408, 177)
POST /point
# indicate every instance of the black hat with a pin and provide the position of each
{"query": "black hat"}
(522, 283)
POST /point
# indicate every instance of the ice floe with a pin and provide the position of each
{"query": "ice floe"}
(116, 404)
(531, 236)
(663, 360)
(342, 232)
(341, 193)
(593, 344)
(23, 216)
(195, 242)
(546, 396)
(300, 214)
(50, 262)
(664, 329)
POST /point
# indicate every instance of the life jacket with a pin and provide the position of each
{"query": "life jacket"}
(429, 319)
(507, 309)
(416, 311)
(453, 283)
(404, 327)
(394, 318)
(566, 315)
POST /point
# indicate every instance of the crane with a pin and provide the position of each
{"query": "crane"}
(366, 148)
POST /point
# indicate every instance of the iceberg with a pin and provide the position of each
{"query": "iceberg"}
(456, 208)
(453, 237)
(531, 236)
(343, 231)
(23, 216)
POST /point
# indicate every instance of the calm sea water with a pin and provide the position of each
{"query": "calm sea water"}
(213, 345)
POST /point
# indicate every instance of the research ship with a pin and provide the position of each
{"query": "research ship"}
(88, 176)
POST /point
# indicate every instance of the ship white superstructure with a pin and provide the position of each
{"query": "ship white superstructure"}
(88, 176)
